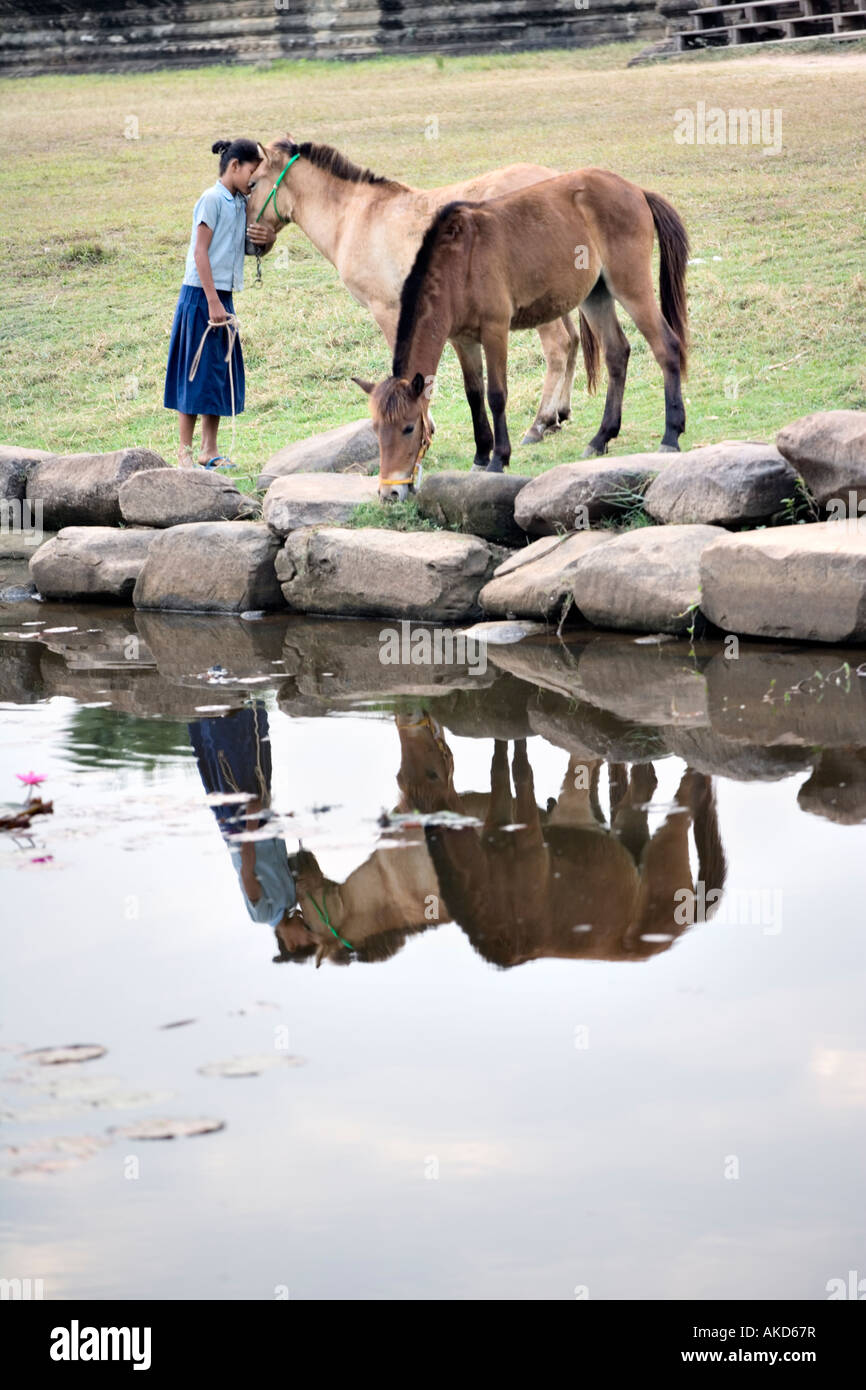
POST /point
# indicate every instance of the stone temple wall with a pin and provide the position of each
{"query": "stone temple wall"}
(38, 36)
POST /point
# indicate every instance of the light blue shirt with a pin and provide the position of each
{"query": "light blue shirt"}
(274, 878)
(226, 213)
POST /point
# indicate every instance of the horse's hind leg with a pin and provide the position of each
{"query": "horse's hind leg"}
(666, 349)
(563, 405)
(472, 366)
(599, 310)
(557, 347)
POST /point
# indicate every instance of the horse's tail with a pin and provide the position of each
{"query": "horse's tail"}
(712, 864)
(591, 354)
(674, 255)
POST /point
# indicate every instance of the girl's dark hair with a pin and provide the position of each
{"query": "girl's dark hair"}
(244, 151)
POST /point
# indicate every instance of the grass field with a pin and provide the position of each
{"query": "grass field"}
(95, 229)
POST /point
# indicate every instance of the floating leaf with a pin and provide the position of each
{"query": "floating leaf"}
(179, 1023)
(58, 1056)
(249, 1066)
(173, 1128)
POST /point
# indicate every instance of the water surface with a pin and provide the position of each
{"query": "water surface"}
(600, 1028)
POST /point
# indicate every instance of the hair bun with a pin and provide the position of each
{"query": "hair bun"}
(220, 146)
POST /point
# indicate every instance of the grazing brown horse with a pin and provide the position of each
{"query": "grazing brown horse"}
(370, 229)
(579, 240)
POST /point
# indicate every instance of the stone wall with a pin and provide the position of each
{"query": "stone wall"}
(38, 36)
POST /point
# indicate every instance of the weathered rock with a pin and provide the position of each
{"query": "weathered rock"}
(574, 495)
(137, 690)
(504, 633)
(645, 685)
(587, 732)
(18, 452)
(13, 478)
(722, 485)
(15, 466)
(171, 496)
(83, 489)
(98, 639)
(22, 544)
(829, 450)
(537, 581)
(550, 665)
(488, 711)
(91, 562)
(317, 499)
(211, 567)
(712, 753)
(837, 787)
(804, 582)
(351, 448)
(760, 695)
(433, 576)
(646, 580)
(481, 504)
(20, 675)
(206, 650)
(331, 664)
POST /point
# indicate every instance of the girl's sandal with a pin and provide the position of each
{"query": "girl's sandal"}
(218, 462)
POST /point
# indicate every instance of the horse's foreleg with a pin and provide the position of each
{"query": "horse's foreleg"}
(495, 344)
(599, 311)
(556, 345)
(499, 809)
(472, 366)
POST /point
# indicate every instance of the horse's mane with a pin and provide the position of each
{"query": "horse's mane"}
(327, 158)
(410, 295)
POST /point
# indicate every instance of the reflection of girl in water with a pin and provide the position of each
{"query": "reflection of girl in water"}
(234, 755)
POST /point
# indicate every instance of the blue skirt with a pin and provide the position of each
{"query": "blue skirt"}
(209, 392)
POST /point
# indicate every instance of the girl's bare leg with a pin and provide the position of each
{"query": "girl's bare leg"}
(186, 428)
(209, 426)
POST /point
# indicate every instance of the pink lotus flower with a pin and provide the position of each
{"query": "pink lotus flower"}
(30, 780)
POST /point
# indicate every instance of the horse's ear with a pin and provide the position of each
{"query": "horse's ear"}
(417, 384)
(368, 386)
(261, 150)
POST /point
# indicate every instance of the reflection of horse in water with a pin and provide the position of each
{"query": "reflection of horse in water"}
(524, 883)
(562, 883)
(394, 894)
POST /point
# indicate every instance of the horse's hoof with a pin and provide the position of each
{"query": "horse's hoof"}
(669, 448)
(479, 466)
(495, 466)
(591, 453)
(533, 435)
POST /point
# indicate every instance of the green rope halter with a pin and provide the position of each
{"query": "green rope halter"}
(273, 192)
(323, 914)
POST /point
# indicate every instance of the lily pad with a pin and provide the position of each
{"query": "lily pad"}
(249, 1066)
(172, 1128)
(59, 1056)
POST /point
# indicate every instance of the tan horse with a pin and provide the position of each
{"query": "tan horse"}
(370, 229)
(524, 884)
(579, 240)
(566, 885)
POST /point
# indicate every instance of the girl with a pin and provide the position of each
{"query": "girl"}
(214, 268)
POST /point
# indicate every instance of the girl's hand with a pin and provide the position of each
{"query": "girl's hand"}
(216, 312)
(261, 235)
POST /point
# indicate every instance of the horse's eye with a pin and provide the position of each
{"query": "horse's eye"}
(409, 429)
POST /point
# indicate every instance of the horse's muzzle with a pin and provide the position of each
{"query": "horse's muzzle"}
(395, 492)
